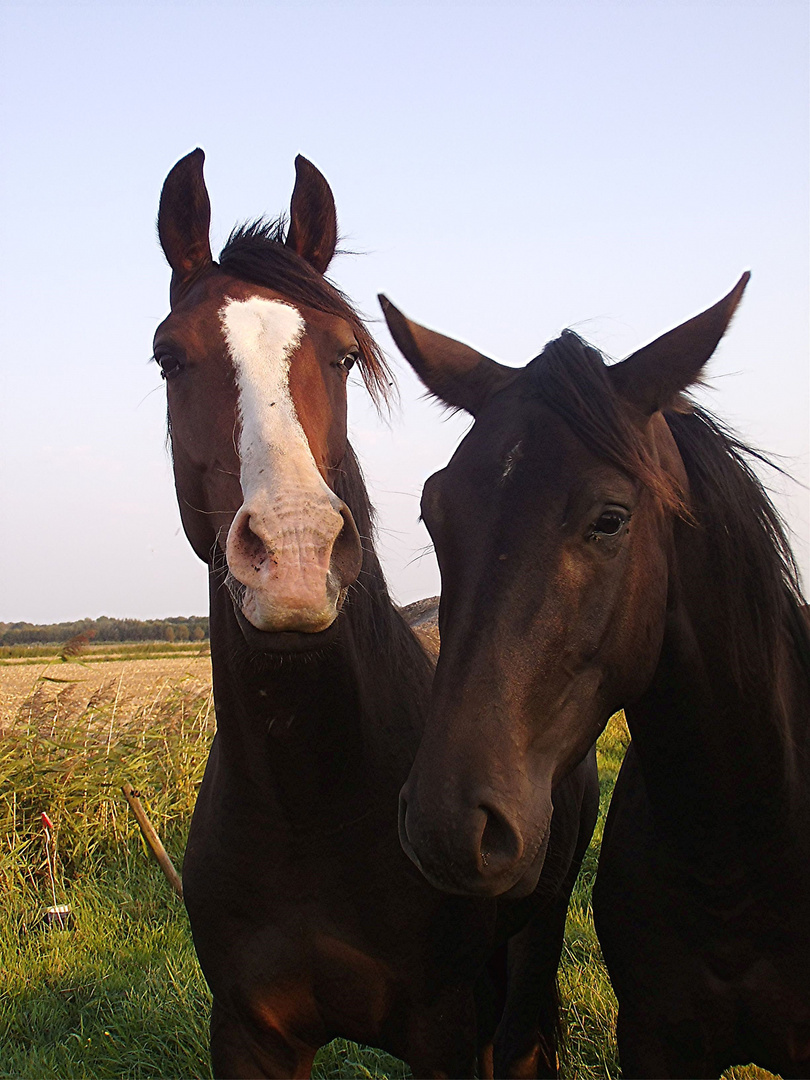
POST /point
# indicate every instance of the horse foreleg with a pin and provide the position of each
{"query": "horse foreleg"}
(527, 1037)
(649, 1046)
(241, 1054)
(439, 1038)
(490, 998)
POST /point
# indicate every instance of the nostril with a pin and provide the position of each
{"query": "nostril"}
(248, 545)
(501, 844)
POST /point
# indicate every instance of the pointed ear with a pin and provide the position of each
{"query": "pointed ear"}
(313, 221)
(653, 377)
(456, 374)
(184, 218)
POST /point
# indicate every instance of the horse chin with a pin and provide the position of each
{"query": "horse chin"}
(483, 887)
(503, 886)
(263, 636)
(285, 641)
(265, 615)
(525, 885)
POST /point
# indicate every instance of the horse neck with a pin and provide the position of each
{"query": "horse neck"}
(313, 731)
(724, 751)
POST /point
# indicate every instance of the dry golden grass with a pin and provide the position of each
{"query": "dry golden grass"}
(75, 687)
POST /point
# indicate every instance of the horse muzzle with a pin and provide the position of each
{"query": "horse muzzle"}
(294, 562)
(471, 846)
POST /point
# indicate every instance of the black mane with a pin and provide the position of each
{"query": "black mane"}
(571, 377)
(256, 252)
(381, 635)
(751, 558)
(752, 562)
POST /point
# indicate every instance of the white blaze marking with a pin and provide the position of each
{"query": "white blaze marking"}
(262, 336)
(280, 542)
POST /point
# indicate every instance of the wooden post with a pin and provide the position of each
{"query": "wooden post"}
(152, 839)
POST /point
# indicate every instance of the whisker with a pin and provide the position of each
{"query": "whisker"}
(154, 390)
(428, 549)
(208, 513)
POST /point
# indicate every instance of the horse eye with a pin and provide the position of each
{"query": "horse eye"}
(169, 365)
(609, 523)
(349, 360)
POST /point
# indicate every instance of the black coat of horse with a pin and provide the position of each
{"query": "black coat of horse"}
(609, 544)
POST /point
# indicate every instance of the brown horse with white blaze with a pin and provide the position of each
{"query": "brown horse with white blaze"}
(308, 920)
(610, 542)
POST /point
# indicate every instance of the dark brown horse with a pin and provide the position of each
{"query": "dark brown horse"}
(607, 543)
(308, 919)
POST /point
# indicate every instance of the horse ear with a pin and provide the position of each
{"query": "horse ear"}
(456, 374)
(313, 220)
(184, 218)
(653, 377)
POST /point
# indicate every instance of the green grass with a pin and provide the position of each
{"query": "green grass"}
(120, 994)
(588, 1002)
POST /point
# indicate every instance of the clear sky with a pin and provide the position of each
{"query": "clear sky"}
(506, 170)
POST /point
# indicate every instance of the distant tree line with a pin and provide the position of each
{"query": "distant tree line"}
(178, 628)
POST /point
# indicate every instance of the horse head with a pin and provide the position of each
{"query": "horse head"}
(553, 527)
(255, 353)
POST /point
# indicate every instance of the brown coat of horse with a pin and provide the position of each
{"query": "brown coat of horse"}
(308, 920)
(609, 544)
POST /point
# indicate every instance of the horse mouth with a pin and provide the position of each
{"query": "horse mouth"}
(480, 887)
(526, 885)
(272, 641)
(278, 640)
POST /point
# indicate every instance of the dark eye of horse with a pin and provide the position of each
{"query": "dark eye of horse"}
(609, 523)
(349, 360)
(169, 365)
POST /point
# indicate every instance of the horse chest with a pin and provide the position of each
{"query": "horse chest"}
(303, 979)
(734, 960)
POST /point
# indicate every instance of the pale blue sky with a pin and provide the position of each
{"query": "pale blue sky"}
(507, 170)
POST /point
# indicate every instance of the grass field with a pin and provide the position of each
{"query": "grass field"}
(120, 993)
(122, 683)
